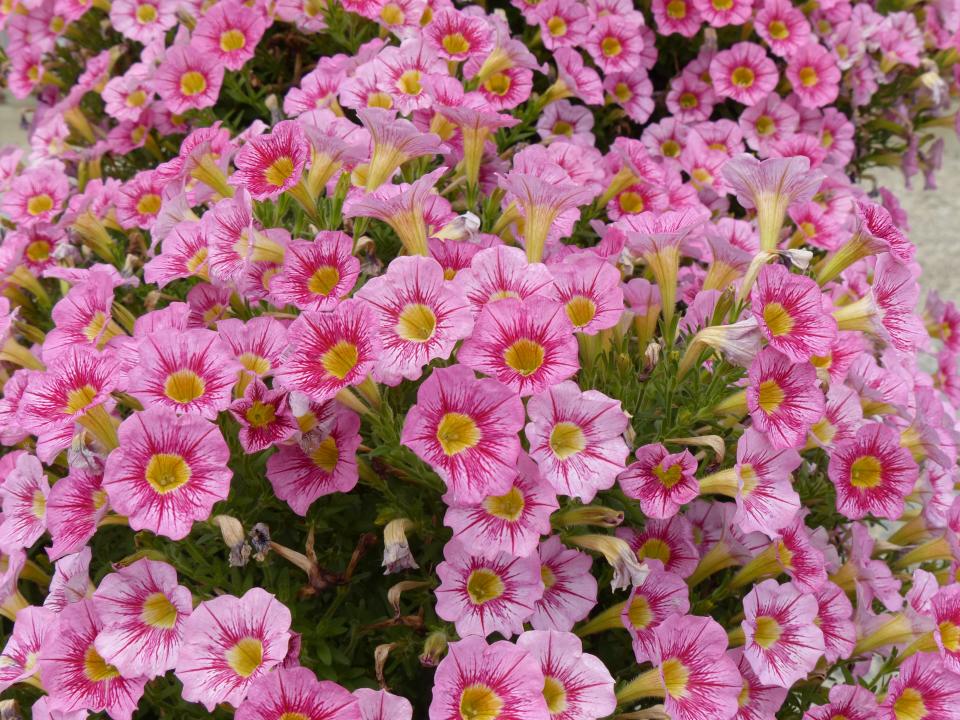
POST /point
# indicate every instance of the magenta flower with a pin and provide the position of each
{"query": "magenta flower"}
(614, 45)
(850, 701)
(503, 272)
(783, 398)
(257, 344)
(168, 471)
(24, 492)
(19, 659)
(36, 195)
(782, 26)
(789, 309)
(188, 80)
(229, 643)
(872, 473)
(296, 693)
(323, 461)
(511, 522)
(419, 317)
(75, 505)
(183, 254)
(273, 163)
(476, 679)
(562, 25)
(76, 676)
(229, 31)
(923, 688)
(330, 351)
(757, 701)
(264, 416)
(381, 705)
(833, 618)
(720, 13)
(670, 541)
(457, 36)
(576, 685)
(743, 73)
(766, 500)
(782, 642)
(570, 591)
(576, 439)
(676, 16)
(527, 345)
(143, 611)
(140, 200)
(466, 429)
(317, 275)
(485, 595)
(662, 481)
(813, 72)
(945, 609)
(660, 595)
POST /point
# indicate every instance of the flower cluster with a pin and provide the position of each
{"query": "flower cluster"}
(578, 310)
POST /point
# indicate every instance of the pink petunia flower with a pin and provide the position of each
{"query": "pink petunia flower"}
(615, 46)
(24, 493)
(76, 676)
(296, 693)
(323, 461)
(36, 195)
(418, 315)
(229, 31)
(272, 163)
(562, 24)
(503, 272)
(71, 581)
(589, 289)
(813, 72)
(782, 642)
(757, 701)
(142, 20)
(660, 480)
(143, 610)
(168, 471)
(512, 522)
(475, 677)
(660, 595)
(257, 344)
(466, 429)
(229, 643)
(381, 705)
(872, 473)
(677, 16)
(18, 662)
(743, 73)
(766, 500)
(576, 439)
(576, 685)
(923, 687)
(317, 275)
(783, 398)
(330, 351)
(457, 36)
(850, 701)
(527, 345)
(789, 309)
(75, 505)
(188, 80)
(264, 416)
(570, 591)
(782, 26)
(140, 200)
(485, 595)
(183, 254)
(670, 541)
(833, 618)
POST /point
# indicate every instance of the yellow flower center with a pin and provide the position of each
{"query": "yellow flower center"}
(480, 702)
(260, 414)
(166, 472)
(950, 636)
(323, 280)
(910, 705)
(771, 396)
(581, 310)
(245, 657)
(39, 204)
(380, 100)
(866, 472)
(195, 262)
(610, 46)
(631, 203)
(639, 613)
(39, 505)
(778, 30)
(279, 171)
(525, 356)
(668, 477)
(808, 76)
(456, 433)
(675, 677)
(622, 92)
(826, 140)
(557, 26)
(38, 251)
(79, 398)
(159, 612)
(778, 320)
(192, 83)
(96, 668)
(722, 5)
(742, 77)
(506, 507)
(136, 99)
(765, 125)
(767, 632)
(654, 549)
(567, 439)
(416, 323)
(748, 479)
(562, 127)
(688, 100)
(326, 455)
(555, 694)
(670, 148)
(484, 585)
(744, 696)
(340, 359)
(184, 386)
(392, 14)
(549, 579)
(149, 204)
(409, 83)
(146, 14)
(232, 40)
(498, 84)
(676, 9)
(455, 43)
(255, 363)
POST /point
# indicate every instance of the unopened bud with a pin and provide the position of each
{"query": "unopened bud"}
(232, 531)
(396, 551)
(588, 515)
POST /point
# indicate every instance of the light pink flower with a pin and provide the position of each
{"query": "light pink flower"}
(850, 701)
(757, 701)
(272, 163)
(923, 681)
(614, 45)
(229, 643)
(317, 275)
(789, 309)
(36, 195)
(670, 541)
(188, 80)
(168, 471)
(783, 398)
(296, 693)
(782, 26)
(570, 590)
(19, 659)
(833, 618)
(229, 31)
(766, 500)
(503, 272)
(813, 72)
(142, 20)
(660, 595)
(662, 481)
(264, 416)
(743, 73)
(75, 505)
(381, 705)
(24, 492)
(677, 16)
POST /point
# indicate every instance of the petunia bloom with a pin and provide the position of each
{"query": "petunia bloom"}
(660, 480)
